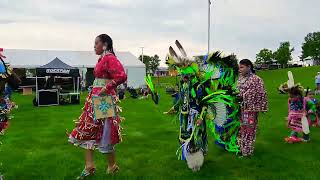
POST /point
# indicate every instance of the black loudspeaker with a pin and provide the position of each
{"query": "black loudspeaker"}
(48, 98)
(75, 99)
(121, 95)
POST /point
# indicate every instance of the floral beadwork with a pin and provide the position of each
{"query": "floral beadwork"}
(296, 104)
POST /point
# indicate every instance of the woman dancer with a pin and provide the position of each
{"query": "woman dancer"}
(254, 100)
(102, 134)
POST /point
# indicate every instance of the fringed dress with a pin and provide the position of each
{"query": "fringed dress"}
(102, 134)
(254, 97)
(5, 103)
(192, 137)
(4, 116)
(296, 112)
(5, 108)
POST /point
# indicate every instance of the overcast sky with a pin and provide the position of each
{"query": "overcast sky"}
(239, 26)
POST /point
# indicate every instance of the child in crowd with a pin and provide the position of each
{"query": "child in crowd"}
(311, 108)
(297, 111)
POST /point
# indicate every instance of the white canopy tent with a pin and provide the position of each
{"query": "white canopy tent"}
(31, 59)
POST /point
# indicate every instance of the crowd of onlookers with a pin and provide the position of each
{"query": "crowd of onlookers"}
(142, 92)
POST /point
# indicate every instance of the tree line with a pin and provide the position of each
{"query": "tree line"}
(283, 55)
(152, 63)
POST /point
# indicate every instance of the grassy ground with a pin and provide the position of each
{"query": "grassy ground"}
(35, 145)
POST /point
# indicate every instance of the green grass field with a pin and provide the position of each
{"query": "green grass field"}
(35, 146)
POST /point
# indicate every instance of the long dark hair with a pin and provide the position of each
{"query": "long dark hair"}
(106, 39)
(296, 92)
(247, 62)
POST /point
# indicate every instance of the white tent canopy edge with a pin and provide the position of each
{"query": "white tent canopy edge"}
(31, 59)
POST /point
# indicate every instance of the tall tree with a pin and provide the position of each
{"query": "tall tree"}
(265, 56)
(283, 54)
(311, 47)
(152, 63)
(146, 61)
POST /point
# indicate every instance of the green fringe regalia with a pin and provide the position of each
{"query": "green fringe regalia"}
(207, 104)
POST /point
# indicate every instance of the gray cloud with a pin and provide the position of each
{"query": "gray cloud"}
(240, 26)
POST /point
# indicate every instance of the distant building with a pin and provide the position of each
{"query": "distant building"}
(262, 66)
(161, 72)
(310, 62)
(297, 63)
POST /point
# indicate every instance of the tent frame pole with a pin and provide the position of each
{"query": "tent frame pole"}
(78, 81)
(74, 85)
(37, 95)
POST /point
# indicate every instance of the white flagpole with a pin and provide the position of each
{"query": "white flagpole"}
(209, 24)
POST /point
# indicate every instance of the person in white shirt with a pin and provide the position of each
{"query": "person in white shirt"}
(318, 82)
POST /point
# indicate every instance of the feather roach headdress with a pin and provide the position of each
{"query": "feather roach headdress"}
(294, 89)
(226, 62)
(183, 63)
